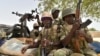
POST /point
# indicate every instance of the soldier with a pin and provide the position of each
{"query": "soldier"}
(55, 13)
(56, 21)
(35, 32)
(47, 22)
(69, 27)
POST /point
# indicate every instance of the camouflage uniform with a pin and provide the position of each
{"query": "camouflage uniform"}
(42, 34)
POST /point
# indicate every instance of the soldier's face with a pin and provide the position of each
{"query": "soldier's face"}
(55, 14)
(69, 19)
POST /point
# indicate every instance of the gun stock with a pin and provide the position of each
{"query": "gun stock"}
(85, 24)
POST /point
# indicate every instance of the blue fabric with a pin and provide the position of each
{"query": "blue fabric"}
(96, 46)
(2, 41)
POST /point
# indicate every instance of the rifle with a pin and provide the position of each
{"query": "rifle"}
(43, 44)
(75, 41)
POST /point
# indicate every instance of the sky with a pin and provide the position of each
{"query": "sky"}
(24, 6)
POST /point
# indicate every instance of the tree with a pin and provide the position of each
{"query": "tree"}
(92, 29)
(89, 8)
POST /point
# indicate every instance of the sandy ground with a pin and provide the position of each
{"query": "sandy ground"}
(96, 39)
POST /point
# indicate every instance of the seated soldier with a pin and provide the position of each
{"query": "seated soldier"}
(35, 32)
(38, 42)
(72, 34)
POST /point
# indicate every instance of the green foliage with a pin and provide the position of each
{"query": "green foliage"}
(92, 29)
(89, 8)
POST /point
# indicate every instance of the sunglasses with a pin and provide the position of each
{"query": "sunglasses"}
(36, 27)
(46, 18)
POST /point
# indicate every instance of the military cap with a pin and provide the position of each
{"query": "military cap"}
(54, 9)
(46, 16)
(67, 11)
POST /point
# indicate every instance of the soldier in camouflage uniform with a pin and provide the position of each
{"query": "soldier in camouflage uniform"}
(49, 33)
(68, 16)
(45, 33)
(35, 35)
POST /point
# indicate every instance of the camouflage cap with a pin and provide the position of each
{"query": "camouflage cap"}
(67, 11)
(46, 15)
(54, 9)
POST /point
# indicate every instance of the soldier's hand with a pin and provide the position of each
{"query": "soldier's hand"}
(45, 42)
(76, 25)
(24, 49)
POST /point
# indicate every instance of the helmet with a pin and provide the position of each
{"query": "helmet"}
(46, 15)
(36, 24)
(54, 9)
(67, 11)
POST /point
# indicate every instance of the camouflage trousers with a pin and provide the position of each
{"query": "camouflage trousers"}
(60, 52)
(35, 52)
(89, 52)
(68, 52)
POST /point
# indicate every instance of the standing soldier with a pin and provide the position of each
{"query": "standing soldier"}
(69, 28)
